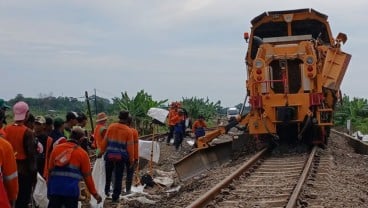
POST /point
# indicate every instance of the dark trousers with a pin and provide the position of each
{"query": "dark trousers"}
(26, 184)
(171, 134)
(179, 136)
(40, 165)
(129, 177)
(116, 167)
(63, 201)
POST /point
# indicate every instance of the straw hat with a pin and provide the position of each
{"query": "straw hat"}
(101, 117)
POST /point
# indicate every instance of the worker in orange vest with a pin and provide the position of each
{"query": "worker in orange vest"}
(198, 129)
(8, 171)
(100, 131)
(173, 111)
(132, 166)
(118, 147)
(23, 142)
(179, 128)
(68, 164)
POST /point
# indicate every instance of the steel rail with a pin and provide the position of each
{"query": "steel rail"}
(211, 194)
(298, 188)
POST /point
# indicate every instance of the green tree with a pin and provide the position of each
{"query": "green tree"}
(356, 110)
(200, 106)
(138, 107)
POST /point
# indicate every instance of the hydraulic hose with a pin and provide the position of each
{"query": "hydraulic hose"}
(243, 107)
(309, 119)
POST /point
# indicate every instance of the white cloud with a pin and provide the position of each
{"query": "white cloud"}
(133, 45)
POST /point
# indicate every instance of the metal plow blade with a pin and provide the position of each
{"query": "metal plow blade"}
(202, 160)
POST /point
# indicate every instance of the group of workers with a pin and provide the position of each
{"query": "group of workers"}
(58, 151)
(177, 118)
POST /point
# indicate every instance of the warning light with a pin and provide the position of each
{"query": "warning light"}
(310, 68)
(246, 37)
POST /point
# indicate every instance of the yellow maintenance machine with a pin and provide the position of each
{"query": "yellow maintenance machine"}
(294, 71)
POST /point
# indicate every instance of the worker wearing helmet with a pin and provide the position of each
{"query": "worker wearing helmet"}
(173, 111)
(179, 129)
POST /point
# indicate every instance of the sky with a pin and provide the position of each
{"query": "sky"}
(171, 49)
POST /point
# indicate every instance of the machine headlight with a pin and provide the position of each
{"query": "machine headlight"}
(258, 63)
(309, 60)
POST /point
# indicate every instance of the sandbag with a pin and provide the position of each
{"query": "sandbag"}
(99, 177)
(145, 150)
(40, 192)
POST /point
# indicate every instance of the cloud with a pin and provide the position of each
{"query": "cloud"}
(169, 48)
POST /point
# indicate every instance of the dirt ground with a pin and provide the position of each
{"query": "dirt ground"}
(348, 184)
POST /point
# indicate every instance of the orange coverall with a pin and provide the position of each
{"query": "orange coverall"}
(8, 167)
(79, 161)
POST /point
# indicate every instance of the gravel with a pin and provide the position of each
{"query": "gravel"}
(347, 184)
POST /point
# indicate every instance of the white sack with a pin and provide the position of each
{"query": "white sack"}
(158, 114)
(99, 177)
(166, 181)
(145, 150)
(40, 192)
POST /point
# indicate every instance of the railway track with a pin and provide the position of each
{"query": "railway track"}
(263, 181)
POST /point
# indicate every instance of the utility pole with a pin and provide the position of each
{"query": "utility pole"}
(95, 102)
(89, 111)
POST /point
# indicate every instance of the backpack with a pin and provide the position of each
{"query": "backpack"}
(63, 158)
(4, 202)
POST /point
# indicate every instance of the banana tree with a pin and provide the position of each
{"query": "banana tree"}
(355, 110)
(138, 107)
(200, 106)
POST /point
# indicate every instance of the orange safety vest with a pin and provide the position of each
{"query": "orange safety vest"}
(172, 114)
(48, 152)
(64, 180)
(198, 124)
(97, 134)
(2, 132)
(4, 201)
(8, 170)
(119, 136)
(136, 143)
(15, 136)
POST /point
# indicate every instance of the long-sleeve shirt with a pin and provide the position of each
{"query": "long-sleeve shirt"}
(172, 113)
(136, 143)
(99, 135)
(64, 180)
(119, 137)
(48, 150)
(8, 168)
(23, 141)
(198, 124)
